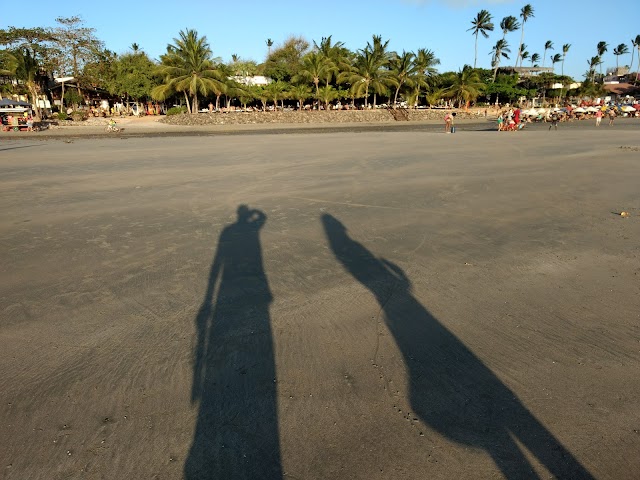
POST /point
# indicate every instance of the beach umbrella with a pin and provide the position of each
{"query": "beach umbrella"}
(628, 108)
(542, 111)
(579, 110)
(592, 109)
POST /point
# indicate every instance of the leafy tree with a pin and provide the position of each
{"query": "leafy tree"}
(134, 76)
(621, 49)
(28, 71)
(481, 24)
(188, 67)
(284, 62)
(548, 45)
(525, 14)
(77, 44)
(8, 63)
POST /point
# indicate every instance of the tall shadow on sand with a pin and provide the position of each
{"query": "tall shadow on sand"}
(236, 435)
(451, 390)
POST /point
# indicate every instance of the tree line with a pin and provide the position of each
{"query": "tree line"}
(323, 71)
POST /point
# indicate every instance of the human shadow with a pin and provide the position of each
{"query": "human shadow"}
(451, 390)
(236, 434)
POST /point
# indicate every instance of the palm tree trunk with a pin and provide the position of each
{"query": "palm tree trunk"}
(186, 98)
(395, 99)
(475, 59)
(375, 99)
(521, 42)
(366, 96)
(218, 101)
(633, 51)
(544, 57)
(194, 109)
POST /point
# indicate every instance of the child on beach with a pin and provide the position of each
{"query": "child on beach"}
(500, 121)
(598, 117)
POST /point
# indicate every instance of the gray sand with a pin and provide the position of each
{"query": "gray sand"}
(428, 305)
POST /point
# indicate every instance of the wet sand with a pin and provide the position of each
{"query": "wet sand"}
(391, 305)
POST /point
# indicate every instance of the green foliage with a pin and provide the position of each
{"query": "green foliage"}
(61, 115)
(133, 76)
(176, 110)
(187, 67)
(72, 97)
(284, 62)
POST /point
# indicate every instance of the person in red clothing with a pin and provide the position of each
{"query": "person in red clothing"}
(516, 116)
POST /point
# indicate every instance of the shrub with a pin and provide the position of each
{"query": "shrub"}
(176, 110)
(78, 116)
(61, 115)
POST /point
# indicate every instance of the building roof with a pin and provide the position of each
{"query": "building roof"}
(621, 88)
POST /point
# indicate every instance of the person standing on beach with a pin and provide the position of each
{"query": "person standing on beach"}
(447, 122)
(598, 117)
(554, 121)
(612, 116)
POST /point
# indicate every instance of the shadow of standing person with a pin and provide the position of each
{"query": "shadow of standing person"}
(451, 390)
(236, 434)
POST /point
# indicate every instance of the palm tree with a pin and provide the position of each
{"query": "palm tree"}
(634, 45)
(299, 93)
(593, 63)
(188, 67)
(8, 63)
(423, 70)
(638, 47)
(509, 24)
(135, 47)
(481, 24)
(524, 53)
(621, 49)
(327, 95)
(565, 50)
(555, 59)
(535, 58)
(381, 77)
(335, 57)
(276, 91)
(466, 86)
(500, 49)
(402, 67)
(26, 68)
(602, 47)
(314, 69)
(269, 43)
(547, 46)
(525, 14)
(368, 74)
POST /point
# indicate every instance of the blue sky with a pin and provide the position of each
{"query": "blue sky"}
(242, 27)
